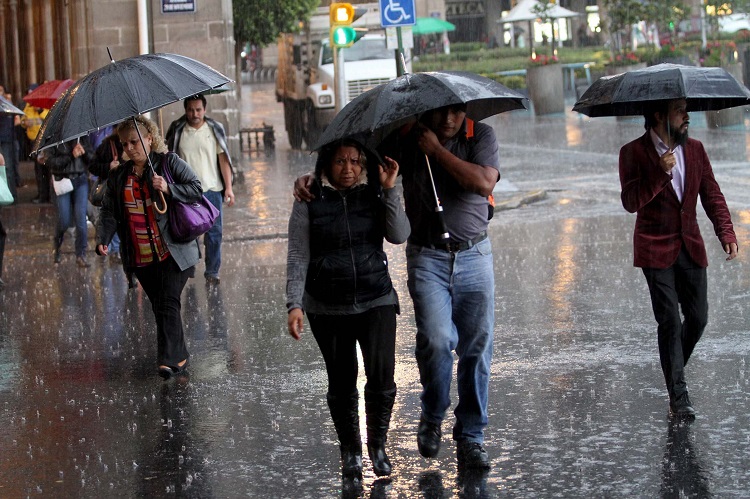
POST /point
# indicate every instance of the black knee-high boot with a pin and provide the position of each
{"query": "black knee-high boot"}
(345, 415)
(378, 407)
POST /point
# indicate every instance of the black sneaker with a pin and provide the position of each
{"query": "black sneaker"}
(428, 438)
(471, 455)
(681, 407)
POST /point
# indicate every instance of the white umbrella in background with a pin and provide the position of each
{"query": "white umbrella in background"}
(524, 11)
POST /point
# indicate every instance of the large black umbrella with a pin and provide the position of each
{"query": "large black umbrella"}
(633, 92)
(7, 107)
(123, 89)
(386, 107)
(377, 112)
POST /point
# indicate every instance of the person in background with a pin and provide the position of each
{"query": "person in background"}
(32, 122)
(71, 160)
(202, 143)
(106, 159)
(662, 174)
(9, 148)
(337, 273)
(161, 265)
(3, 235)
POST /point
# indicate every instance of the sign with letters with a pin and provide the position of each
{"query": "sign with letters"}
(171, 6)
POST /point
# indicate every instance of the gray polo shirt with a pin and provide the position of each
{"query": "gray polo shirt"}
(465, 213)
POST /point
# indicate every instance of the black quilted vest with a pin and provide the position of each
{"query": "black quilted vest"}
(347, 261)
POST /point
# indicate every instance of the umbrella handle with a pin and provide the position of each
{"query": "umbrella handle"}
(445, 235)
(438, 207)
(161, 211)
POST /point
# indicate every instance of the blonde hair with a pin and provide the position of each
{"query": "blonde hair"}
(146, 127)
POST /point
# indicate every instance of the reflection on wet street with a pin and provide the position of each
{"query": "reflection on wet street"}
(577, 404)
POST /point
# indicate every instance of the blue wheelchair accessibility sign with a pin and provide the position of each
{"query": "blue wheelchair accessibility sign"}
(395, 13)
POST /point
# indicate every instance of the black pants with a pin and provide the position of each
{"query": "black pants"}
(163, 283)
(41, 173)
(3, 234)
(337, 337)
(681, 286)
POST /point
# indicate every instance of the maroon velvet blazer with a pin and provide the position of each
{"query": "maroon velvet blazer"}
(664, 224)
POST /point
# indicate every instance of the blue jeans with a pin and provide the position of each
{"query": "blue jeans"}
(212, 238)
(73, 205)
(454, 307)
(114, 245)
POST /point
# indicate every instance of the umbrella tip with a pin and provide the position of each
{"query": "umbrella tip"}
(110, 55)
(403, 63)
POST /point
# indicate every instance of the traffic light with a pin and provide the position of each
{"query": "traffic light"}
(342, 32)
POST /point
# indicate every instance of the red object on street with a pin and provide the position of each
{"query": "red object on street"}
(47, 93)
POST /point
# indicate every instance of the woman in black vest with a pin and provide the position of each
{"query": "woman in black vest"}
(337, 273)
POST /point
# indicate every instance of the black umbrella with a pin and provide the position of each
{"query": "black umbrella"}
(386, 107)
(124, 89)
(633, 92)
(7, 107)
(374, 114)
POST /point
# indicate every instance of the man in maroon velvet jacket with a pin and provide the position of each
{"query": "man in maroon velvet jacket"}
(662, 174)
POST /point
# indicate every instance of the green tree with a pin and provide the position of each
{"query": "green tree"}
(666, 13)
(620, 15)
(261, 21)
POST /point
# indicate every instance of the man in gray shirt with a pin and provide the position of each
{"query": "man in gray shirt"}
(451, 280)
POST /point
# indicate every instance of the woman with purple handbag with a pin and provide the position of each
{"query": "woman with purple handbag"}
(161, 264)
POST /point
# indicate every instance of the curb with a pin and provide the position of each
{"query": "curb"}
(520, 200)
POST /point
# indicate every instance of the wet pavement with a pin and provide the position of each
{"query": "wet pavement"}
(577, 404)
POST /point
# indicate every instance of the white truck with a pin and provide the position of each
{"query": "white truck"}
(305, 75)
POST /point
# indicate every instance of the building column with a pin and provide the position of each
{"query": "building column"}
(15, 52)
(65, 40)
(28, 12)
(4, 50)
(48, 52)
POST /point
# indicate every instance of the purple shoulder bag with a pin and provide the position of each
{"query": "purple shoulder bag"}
(187, 221)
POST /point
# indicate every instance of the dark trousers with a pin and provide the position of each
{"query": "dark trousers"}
(163, 283)
(337, 337)
(41, 173)
(3, 234)
(681, 286)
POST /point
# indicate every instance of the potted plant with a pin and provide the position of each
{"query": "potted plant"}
(544, 81)
(624, 61)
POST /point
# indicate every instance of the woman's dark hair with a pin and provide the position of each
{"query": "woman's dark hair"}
(661, 107)
(325, 157)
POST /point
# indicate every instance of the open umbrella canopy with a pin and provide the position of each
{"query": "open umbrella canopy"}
(46, 94)
(524, 11)
(124, 89)
(388, 106)
(7, 107)
(633, 92)
(430, 25)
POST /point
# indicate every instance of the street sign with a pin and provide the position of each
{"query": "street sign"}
(394, 13)
(168, 6)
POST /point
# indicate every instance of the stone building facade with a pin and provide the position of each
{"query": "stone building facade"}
(54, 39)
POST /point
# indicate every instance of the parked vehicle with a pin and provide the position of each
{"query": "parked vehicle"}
(305, 76)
